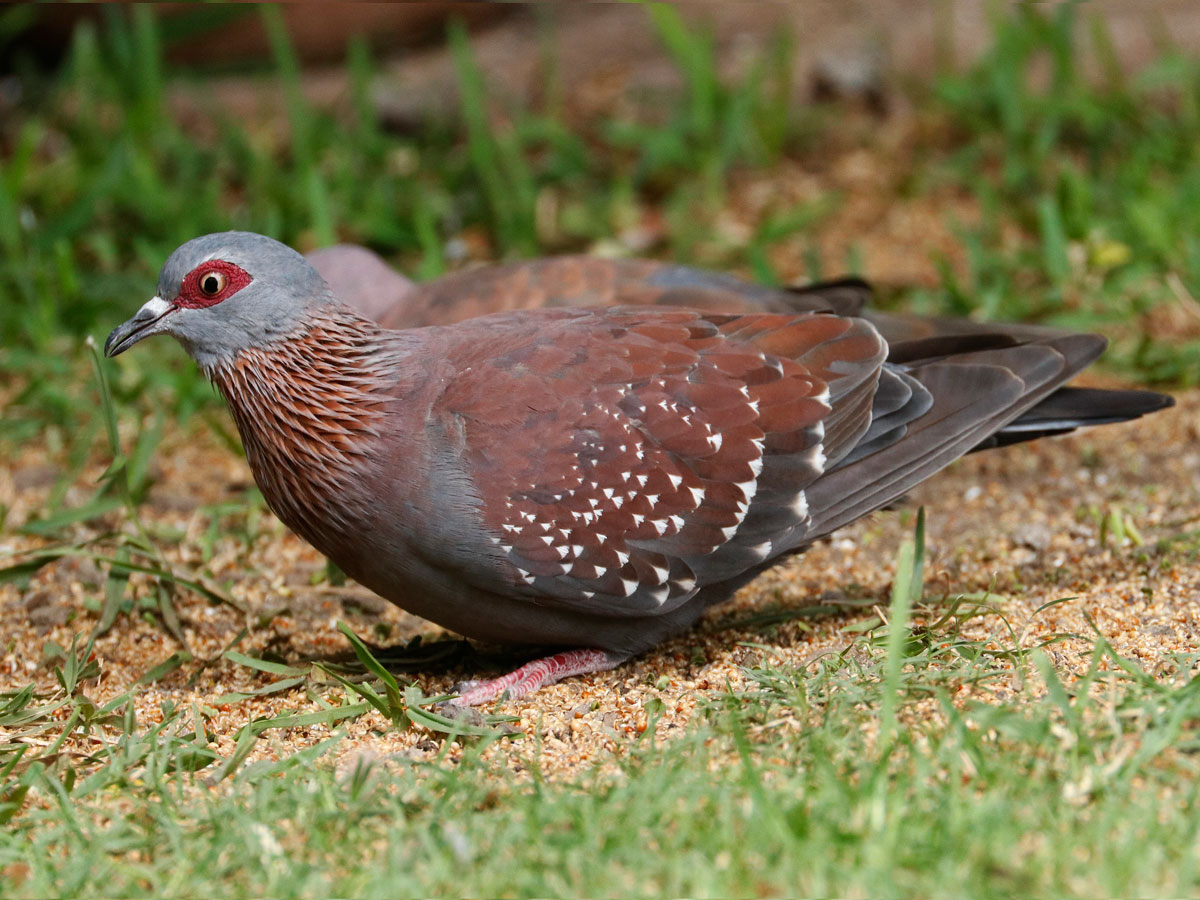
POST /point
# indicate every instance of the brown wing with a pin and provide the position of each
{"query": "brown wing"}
(627, 459)
(365, 282)
(594, 281)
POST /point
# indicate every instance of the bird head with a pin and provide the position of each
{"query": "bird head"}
(224, 293)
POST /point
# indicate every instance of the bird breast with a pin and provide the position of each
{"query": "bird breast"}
(309, 410)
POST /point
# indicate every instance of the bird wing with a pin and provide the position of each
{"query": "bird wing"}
(625, 459)
(369, 286)
(595, 281)
(974, 396)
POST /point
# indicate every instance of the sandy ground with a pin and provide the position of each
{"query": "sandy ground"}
(1017, 522)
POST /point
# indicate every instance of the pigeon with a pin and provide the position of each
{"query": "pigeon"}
(591, 480)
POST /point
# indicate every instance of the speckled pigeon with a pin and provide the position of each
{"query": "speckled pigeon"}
(590, 479)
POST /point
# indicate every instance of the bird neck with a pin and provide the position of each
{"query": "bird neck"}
(309, 409)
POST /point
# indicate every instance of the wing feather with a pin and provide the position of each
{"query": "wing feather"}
(624, 459)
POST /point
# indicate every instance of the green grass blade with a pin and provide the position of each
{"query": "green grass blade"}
(906, 590)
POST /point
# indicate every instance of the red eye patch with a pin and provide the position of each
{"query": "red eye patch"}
(210, 283)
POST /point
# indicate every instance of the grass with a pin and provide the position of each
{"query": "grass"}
(819, 793)
(1100, 179)
(880, 770)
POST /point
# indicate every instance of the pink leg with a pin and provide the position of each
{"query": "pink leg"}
(536, 674)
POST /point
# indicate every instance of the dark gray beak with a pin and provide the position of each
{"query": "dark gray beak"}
(145, 322)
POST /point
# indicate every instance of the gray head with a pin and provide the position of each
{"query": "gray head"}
(224, 293)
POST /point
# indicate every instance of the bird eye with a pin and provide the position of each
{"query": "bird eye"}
(212, 283)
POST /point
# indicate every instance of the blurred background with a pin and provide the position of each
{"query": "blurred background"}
(1036, 162)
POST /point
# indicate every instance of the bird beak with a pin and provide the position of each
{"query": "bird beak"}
(145, 322)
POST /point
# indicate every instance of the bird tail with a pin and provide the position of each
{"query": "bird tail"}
(1069, 408)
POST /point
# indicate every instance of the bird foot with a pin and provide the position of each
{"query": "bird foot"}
(533, 675)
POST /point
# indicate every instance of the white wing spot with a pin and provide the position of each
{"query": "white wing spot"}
(761, 551)
(800, 505)
(748, 489)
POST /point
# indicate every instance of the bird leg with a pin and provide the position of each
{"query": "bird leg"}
(536, 674)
